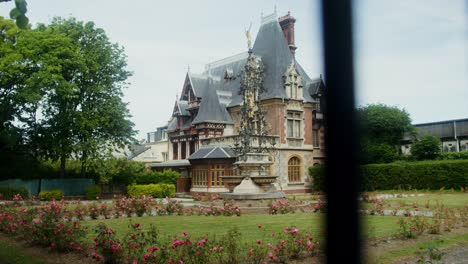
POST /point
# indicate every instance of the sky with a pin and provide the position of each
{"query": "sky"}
(409, 54)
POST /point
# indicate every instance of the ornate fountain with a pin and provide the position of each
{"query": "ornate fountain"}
(252, 179)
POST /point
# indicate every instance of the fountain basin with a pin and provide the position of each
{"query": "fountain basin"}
(261, 180)
(253, 196)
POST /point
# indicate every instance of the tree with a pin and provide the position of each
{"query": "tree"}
(379, 153)
(61, 90)
(18, 13)
(427, 148)
(382, 128)
(88, 116)
(32, 64)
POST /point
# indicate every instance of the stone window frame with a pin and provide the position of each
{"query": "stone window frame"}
(293, 83)
(294, 170)
(316, 138)
(297, 130)
(175, 150)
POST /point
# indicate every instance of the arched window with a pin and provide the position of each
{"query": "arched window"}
(294, 169)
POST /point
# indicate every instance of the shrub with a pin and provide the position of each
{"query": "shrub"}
(106, 245)
(318, 177)
(154, 190)
(173, 207)
(8, 192)
(432, 175)
(411, 227)
(280, 207)
(80, 211)
(93, 192)
(155, 177)
(378, 153)
(454, 155)
(51, 195)
(427, 148)
(142, 205)
(230, 208)
(422, 175)
(93, 209)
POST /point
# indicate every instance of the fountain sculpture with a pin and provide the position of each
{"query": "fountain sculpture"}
(252, 179)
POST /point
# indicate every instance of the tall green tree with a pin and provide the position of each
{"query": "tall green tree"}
(426, 148)
(89, 116)
(61, 91)
(31, 62)
(382, 129)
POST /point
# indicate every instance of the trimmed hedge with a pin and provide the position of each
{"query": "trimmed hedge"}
(154, 190)
(431, 175)
(156, 177)
(7, 192)
(51, 195)
(463, 155)
(92, 192)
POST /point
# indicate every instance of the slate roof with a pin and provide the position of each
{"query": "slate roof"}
(182, 105)
(171, 163)
(199, 84)
(211, 110)
(314, 86)
(311, 87)
(213, 152)
(172, 124)
(138, 152)
(272, 47)
(218, 93)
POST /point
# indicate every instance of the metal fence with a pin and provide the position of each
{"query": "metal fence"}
(70, 187)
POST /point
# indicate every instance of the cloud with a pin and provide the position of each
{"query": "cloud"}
(413, 56)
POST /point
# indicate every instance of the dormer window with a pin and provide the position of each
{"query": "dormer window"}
(229, 75)
(293, 83)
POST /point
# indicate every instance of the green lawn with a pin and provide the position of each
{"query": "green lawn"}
(380, 226)
(449, 200)
(374, 226)
(448, 241)
(218, 225)
(12, 254)
(427, 202)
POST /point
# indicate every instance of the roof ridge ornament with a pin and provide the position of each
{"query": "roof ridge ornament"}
(270, 17)
(248, 35)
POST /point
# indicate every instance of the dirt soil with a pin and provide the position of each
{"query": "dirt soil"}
(46, 255)
(456, 255)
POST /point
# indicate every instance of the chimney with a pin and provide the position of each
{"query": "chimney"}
(287, 25)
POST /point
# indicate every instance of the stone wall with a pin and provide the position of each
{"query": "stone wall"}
(280, 167)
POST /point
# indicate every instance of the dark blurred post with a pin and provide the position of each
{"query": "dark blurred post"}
(341, 184)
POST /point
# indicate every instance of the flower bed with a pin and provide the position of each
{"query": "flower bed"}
(49, 225)
(55, 226)
(139, 246)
